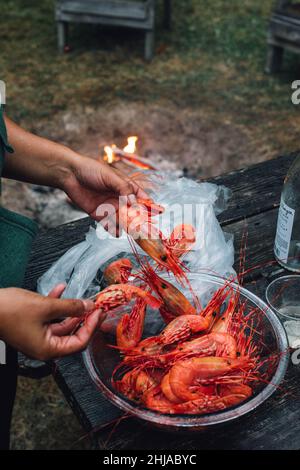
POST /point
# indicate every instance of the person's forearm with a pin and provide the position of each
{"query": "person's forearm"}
(35, 159)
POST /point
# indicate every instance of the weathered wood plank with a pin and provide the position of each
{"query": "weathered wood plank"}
(286, 31)
(82, 394)
(260, 231)
(287, 18)
(255, 189)
(117, 9)
(105, 21)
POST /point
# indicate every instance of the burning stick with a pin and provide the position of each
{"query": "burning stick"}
(114, 153)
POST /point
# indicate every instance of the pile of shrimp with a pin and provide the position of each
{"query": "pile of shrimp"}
(204, 359)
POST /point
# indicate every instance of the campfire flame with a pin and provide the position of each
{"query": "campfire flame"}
(112, 153)
(128, 155)
(109, 154)
(131, 144)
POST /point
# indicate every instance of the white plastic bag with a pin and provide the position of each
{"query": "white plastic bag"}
(185, 201)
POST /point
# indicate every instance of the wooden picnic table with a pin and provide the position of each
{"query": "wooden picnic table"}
(276, 423)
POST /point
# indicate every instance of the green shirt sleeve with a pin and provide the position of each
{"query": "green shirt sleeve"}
(16, 231)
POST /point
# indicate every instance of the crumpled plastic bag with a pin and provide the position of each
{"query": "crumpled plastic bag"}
(185, 201)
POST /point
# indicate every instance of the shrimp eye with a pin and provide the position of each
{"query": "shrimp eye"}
(238, 353)
(163, 257)
(163, 286)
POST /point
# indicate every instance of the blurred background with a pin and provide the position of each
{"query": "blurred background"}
(203, 105)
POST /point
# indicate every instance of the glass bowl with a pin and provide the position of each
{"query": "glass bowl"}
(100, 361)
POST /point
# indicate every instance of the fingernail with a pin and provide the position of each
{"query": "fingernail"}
(132, 198)
(102, 317)
(88, 305)
(61, 285)
(96, 317)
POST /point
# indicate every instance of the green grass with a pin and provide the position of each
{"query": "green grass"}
(213, 58)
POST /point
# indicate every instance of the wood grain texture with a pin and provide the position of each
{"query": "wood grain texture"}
(118, 8)
(275, 424)
(254, 190)
(82, 395)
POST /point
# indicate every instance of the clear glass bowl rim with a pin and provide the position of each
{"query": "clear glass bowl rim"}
(198, 421)
(280, 278)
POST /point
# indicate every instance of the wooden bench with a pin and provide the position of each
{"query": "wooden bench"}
(131, 14)
(284, 33)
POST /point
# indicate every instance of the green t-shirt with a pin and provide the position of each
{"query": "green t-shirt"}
(16, 231)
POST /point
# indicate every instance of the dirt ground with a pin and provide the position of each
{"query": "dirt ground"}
(43, 420)
(189, 138)
(174, 138)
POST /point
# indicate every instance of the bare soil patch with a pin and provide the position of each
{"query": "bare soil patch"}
(174, 138)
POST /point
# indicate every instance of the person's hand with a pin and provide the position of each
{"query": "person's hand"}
(88, 182)
(92, 183)
(25, 323)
